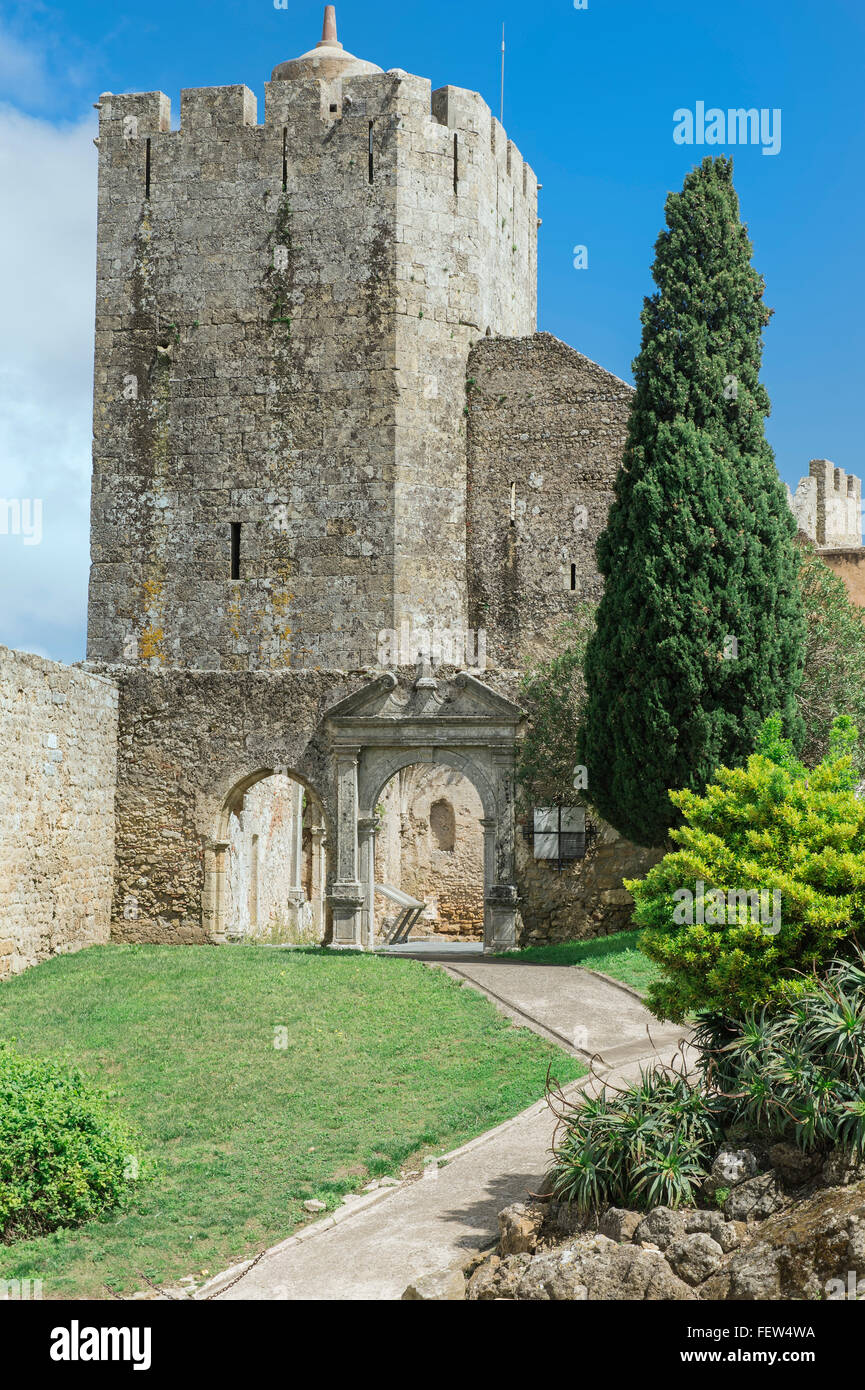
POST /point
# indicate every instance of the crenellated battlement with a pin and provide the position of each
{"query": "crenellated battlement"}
(292, 109)
(828, 506)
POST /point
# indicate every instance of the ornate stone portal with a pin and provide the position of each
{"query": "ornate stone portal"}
(458, 723)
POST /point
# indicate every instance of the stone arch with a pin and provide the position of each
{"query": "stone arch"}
(386, 726)
(214, 888)
(377, 766)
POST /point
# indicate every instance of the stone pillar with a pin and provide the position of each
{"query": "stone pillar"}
(500, 893)
(296, 896)
(366, 834)
(347, 894)
(213, 898)
(318, 885)
(296, 864)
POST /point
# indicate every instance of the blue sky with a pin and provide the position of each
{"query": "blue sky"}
(589, 100)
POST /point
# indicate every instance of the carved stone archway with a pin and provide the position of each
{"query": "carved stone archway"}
(458, 723)
(213, 902)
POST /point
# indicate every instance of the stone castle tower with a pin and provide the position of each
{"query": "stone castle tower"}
(323, 414)
(284, 316)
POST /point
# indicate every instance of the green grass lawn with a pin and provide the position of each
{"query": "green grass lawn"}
(386, 1061)
(618, 955)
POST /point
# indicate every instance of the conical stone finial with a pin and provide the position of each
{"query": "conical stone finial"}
(327, 61)
(328, 33)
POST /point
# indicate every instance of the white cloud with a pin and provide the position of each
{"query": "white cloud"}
(22, 70)
(47, 288)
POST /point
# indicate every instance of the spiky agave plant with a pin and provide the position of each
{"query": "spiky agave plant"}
(647, 1143)
(793, 1073)
(799, 1073)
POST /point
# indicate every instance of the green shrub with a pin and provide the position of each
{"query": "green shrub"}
(773, 827)
(65, 1156)
(552, 694)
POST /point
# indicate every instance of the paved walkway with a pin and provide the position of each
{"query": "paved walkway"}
(375, 1245)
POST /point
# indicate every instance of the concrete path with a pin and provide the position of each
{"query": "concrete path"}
(375, 1245)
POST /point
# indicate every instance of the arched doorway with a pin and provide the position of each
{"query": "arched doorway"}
(429, 844)
(266, 878)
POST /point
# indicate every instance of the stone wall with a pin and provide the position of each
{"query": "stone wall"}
(192, 743)
(58, 747)
(849, 565)
(586, 897)
(284, 312)
(546, 430)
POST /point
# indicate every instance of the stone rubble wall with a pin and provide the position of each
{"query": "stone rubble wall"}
(188, 741)
(58, 743)
(586, 897)
(546, 431)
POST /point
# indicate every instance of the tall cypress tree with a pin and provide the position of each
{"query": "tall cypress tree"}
(700, 631)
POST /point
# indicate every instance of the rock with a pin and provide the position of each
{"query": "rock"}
(554, 1277)
(444, 1285)
(794, 1166)
(660, 1226)
(621, 1273)
(752, 1279)
(800, 1253)
(856, 1246)
(695, 1257)
(497, 1278)
(734, 1166)
(588, 1269)
(727, 1234)
(520, 1227)
(313, 1204)
(565, 1220)
(841, 1169)
(619, 1225)
(755, 1199)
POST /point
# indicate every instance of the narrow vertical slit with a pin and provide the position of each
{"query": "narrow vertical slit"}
(573, 577)
(371, 165)
(285, 158)
(147, 167)
(456, 162)
(235, 549)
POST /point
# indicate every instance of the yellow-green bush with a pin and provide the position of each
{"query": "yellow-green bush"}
(772, 826)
